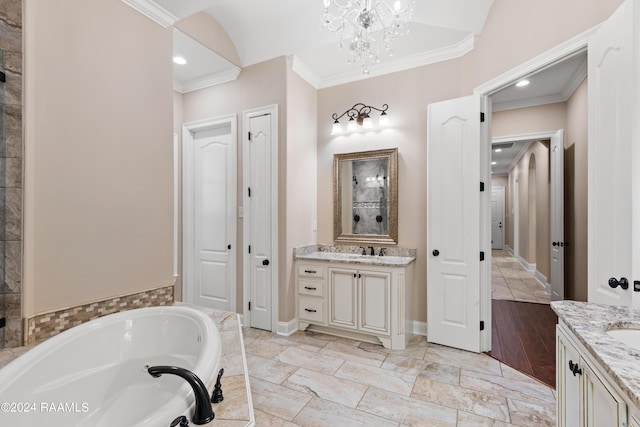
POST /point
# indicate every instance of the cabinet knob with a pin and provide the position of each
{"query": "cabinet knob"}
(435, 252)
(574, 368)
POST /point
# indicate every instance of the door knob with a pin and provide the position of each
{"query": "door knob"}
(623, 283)
(435, 252)
(228, 246)
(265, 262)
(555, 243)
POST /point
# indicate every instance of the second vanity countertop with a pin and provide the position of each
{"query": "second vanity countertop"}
(394, 257)
(589, 322)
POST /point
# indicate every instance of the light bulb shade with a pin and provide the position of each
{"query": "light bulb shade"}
(367, 123)
(351, 126)
(384, 120)
(336, 129)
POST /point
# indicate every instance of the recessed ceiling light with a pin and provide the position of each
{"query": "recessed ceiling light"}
(498, 150)
(179, 60)
(522, 83)
(494, 163)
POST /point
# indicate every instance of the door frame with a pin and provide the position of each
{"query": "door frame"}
(562, 51)
(246, 261)
(188, 202)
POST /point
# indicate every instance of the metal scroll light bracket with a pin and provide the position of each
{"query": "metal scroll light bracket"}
(359, 114)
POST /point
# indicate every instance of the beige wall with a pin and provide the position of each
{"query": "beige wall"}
(516, 31)
(98, 194)
(407, 93)
(301, 167)
(257, 86)
(575, 209)
(533, 198)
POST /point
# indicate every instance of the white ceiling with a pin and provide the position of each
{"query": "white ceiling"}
(265, 29)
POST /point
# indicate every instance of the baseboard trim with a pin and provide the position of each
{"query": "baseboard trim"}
(287, 328)
(543, 280)
(526, 265)
(418, 328)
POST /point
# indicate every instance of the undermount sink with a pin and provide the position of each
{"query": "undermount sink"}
(628, 336)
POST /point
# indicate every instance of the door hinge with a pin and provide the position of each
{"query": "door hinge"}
(249, 134)
(481, 117)
(249, 191)
(3, 322)
(481, 255)
(249, 305)
(249, 248)
(3, 77)
(482, 325)
(482, 186)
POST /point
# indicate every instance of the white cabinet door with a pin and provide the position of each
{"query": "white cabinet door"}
(375, 301)
(567, 382)
(343, 298)
(602, 408)
(614, 202)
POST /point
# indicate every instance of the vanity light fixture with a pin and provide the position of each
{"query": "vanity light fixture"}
(359, 115)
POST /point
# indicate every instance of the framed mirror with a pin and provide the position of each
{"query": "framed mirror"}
(365, 197)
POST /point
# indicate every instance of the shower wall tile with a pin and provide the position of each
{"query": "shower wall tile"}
(13, 332)
(13, 267)
(11, 10)
(12, 144)
(13, 172)
(13, 214)
(46, 325)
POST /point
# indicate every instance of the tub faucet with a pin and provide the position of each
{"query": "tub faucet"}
(203, 413)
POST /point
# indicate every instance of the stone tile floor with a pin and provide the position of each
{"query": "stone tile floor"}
(511, 281)
(313, 380)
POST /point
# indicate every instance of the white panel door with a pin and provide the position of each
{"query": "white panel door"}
(453, 223)
(556, 152)
(214, 226)
(497, 217)
(260, 220)
(614, 156)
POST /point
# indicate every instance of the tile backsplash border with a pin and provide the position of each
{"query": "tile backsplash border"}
(45, 325)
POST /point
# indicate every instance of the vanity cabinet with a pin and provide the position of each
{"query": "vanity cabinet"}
(355, 301)
(587, 397)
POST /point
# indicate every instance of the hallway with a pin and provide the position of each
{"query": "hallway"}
(523, 324)
(511, 281)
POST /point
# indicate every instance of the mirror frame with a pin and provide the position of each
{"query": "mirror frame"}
(338, 235)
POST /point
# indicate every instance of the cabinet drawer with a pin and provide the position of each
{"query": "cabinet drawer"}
(310, 271)
(310, 287)
(311, 309)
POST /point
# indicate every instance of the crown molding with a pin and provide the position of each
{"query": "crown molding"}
(301, 69)
(405, 63)
(152, 11)
(437, 55)
(207, 81)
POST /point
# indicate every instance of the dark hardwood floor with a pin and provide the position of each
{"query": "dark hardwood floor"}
(523, 336)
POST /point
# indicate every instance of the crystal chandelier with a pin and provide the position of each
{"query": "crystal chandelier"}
(367, 27)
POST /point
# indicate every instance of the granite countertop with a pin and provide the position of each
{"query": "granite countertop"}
(589, 322)
(394, 257)
(236, 409)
